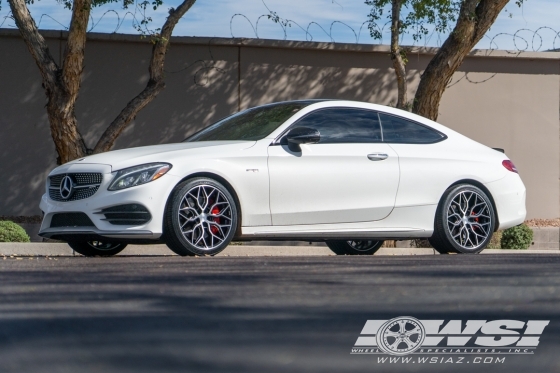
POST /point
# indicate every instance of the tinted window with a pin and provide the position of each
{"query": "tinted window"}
(343, 125)
(400, 130)
(251, 124)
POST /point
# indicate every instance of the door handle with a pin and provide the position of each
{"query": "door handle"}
(377, 156)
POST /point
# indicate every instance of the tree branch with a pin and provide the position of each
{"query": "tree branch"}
(154, 86)
(61, 85)
(35, 43)
(475, 18)
(396, 54)
(73, 64)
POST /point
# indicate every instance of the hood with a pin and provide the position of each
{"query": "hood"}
(119, 159)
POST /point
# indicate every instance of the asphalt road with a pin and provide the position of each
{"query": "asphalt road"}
(258, 314)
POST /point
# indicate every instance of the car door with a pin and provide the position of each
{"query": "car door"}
(348, 176)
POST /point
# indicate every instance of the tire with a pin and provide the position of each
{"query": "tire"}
(97, 248)
(465, 221)
(201, 218)
(354, 247)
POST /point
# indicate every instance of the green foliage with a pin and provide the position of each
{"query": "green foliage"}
(95, 3)
(419, 13)
(517, 238)
(439, 13)
(11, 232)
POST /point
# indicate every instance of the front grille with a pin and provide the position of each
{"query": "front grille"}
(131, 214)
(84, 185)
(71, 219)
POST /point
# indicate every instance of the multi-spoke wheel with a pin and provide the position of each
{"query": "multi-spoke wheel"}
(97, 248)
(465, 221)
(201, 218)
(354, 247)
(401, 336)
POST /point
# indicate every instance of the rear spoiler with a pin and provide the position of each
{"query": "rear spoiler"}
(500, 150)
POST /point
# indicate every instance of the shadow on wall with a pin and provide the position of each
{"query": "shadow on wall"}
(196, 95)
(202, 87)
(26, 148)
(275, 75)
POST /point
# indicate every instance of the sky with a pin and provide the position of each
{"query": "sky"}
(533, 27)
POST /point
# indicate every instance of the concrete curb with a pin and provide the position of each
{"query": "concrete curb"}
(60, 249)
(545, 238)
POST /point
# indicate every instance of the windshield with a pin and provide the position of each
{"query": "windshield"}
(251, 124)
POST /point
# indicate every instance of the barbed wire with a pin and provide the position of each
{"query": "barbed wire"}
(536, 35)
(466, 77)
(287, 23)
(523, 40)
(201, 75)
(520, 43)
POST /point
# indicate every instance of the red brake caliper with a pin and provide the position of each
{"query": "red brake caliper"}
(475, 219)
(213, 228)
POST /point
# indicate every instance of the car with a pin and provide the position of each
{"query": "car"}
(350, 174)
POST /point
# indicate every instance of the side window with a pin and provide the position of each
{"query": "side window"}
(343, 125)
(400, 130)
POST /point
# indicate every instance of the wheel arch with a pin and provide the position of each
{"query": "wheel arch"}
(481, 186)
(222, 181)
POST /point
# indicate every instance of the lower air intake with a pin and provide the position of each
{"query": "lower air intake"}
(70, 220)
(130, 214)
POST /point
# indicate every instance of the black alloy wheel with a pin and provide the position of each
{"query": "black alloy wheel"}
(354, 247)
(97, 248)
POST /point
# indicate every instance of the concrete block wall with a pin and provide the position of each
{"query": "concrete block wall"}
(499, 98)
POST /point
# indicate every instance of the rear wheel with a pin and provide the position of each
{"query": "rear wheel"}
(200, 218)
(354, 247)
(97, 248)
(465, 221)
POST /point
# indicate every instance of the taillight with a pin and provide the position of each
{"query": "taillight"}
(510, 166)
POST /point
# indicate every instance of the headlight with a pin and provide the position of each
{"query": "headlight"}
(139, 175)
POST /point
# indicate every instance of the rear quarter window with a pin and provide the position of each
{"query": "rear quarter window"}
(404, 131)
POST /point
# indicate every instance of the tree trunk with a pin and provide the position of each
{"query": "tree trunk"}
(475, 18)
(68, 141)
(61, 84)
(155, 84)
(396, 54)
(399, 67)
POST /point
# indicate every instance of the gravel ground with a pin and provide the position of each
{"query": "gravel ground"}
(543, 222)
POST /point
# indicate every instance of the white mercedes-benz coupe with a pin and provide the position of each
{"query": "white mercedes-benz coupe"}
(350, 174)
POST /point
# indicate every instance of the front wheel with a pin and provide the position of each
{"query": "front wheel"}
(354, 247)
(200, 218)
(465, 221)
(97, 248)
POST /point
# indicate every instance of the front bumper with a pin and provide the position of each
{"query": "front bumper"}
(152, 195)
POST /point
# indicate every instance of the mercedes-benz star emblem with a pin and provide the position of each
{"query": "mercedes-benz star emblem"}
(66, 187)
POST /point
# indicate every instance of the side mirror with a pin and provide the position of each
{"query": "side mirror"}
(301, 135)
